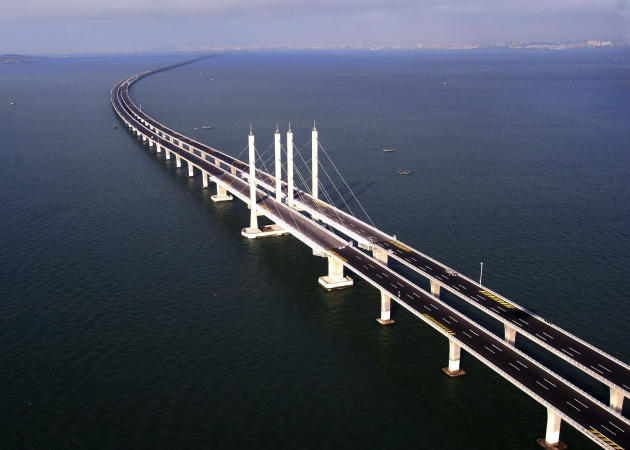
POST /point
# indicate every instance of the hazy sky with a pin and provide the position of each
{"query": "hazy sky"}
(57, 26)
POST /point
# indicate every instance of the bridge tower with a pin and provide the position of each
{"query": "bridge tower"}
(314, 162)
(290, 167)
(278, 163)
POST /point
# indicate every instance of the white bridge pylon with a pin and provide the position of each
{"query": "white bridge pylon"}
(253, 231)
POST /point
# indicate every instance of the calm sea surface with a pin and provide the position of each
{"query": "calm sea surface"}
(133, 315)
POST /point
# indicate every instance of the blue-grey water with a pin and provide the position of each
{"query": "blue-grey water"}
(133, 315)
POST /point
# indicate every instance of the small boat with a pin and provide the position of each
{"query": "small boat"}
(388, 150)
(12, 102)
(405, 172)
(195, 128)
(115, 126)
(206, 127)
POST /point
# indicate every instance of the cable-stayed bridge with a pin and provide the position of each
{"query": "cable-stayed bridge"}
(346, 241)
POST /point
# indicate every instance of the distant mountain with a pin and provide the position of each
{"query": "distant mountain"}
(11, 58)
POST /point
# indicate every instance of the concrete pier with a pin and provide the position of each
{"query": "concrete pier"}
(150, 142)
(386, 310)
(335, 278)
(168, 154)
(616, 400)
(221, 195)
(510, 333)
(178, 160)
(191, 172)
(552, 436)
(435, 288)
(158, 149)
(454, 351)
(204, 178)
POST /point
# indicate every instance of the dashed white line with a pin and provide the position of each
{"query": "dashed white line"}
(514, 366)
(542, 385)
(497, 348)
(487, 348)
(473, 332)
(574, 350)
(573, 406)
(521, 363)
(605, 368)
(608, 429)
(580, 403)
(570, 354)
(467, 335)
(616, 426)
(548, 335)
(549, 382)
(595, 368)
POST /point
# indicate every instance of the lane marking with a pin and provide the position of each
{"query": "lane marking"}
(542, 385)
(549, 382)
(574, 350)
(514, 366)
(548, 335)
(580, 403)
(519, 362)
(605, 368)
(572, 405)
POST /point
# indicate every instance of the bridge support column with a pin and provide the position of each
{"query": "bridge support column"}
(616, 400)
(380, 255)
(217, 162)
(435, 288)
(150, 142)
(178, 160)
(191, 172)
(144, 138)
(222, 195)
(168, 154)
(158, 149)
(510, 334)
(386, 310)
(204, 178)
(233, 171)
(454, 351)
(552, 436)
(335, 278)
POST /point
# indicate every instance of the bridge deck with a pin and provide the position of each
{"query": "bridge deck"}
(597, 363)
(595, 420)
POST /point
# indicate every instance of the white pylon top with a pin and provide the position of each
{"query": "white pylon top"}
(251, 129)
(314, 127)
(289, 126)
(277, 129)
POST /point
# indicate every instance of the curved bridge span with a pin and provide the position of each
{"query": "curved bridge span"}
(326, 230)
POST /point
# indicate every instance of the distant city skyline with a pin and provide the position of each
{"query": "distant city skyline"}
(74, 26)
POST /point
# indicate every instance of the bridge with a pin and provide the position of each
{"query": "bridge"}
(348, 242)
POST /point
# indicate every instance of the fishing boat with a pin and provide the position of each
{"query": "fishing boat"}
(12, 102)
(405, 172)
(388, 150)
(115, 126)
(206, 127)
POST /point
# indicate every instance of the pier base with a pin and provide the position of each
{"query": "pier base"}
(264, 232)
(386, 310)
(557, 446)
(335, 278)
(454, 351)
(221, 195)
